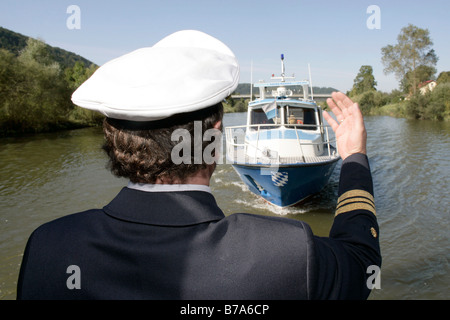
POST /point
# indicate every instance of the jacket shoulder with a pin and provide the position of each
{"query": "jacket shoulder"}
(45, 255)
(280, 246)
(66, 223)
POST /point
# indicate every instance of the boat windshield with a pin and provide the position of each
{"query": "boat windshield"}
(295, 115)
(290, 116)
(258, 116)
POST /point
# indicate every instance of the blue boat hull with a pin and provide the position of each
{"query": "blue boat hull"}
(286, 185)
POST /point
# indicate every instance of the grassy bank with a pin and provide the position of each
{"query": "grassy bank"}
(397, 110)
(434, 105)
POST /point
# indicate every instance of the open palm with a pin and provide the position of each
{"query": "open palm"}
(349, 128)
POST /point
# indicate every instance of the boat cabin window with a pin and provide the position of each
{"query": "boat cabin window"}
(296, 116)
(292, 116)
(258, 116)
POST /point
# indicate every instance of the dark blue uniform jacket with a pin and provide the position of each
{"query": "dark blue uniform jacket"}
(179, 245)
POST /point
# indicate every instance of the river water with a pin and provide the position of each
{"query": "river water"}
(47, 176)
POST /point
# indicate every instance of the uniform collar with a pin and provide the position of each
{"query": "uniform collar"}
(168, 187)
(174, 208)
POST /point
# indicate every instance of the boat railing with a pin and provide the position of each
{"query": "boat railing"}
(241, 149)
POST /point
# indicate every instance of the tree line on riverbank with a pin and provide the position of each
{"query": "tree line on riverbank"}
(37, 81)
(413, 62)
(35, 91)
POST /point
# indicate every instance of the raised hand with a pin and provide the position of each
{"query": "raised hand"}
(349, 128)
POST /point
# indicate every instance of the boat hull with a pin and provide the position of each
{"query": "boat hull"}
(286, 185)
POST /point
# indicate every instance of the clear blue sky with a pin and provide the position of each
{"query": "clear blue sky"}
(332, 36)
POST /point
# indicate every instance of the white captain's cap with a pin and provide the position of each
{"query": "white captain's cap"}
(184, 72)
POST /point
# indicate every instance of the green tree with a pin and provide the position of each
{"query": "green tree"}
(78, 74)
(240, 106)
(10, 85)
(443, 77)
(35, 95)
(395, 96)
(416, 105)
(37, 51)
(439, 106)
(364, 81)
(413, 49)
(423, 73)
(434, 105)
(371, 99)
(74, 78)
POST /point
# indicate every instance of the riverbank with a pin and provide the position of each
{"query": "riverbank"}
(400, 110)
(396, 110)
(11, 130)
(434, 105)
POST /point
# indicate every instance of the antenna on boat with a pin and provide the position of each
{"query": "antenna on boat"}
(283, 75)
(310, 82)
(251, 80)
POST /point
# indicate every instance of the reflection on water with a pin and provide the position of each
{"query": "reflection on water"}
(50, 175)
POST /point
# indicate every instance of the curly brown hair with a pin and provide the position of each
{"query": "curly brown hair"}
(141, 151)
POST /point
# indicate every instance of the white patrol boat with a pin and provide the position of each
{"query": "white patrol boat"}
(284, 153)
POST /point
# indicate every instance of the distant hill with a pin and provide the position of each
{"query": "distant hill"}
(244, 88)
(15, 42)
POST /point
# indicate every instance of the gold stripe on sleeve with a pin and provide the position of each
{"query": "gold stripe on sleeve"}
(355, 200)
(356, 206)
(356, 193)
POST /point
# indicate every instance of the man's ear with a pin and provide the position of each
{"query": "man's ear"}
(218, 125)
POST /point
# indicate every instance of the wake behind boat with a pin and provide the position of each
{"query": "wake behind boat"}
(284, 153)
